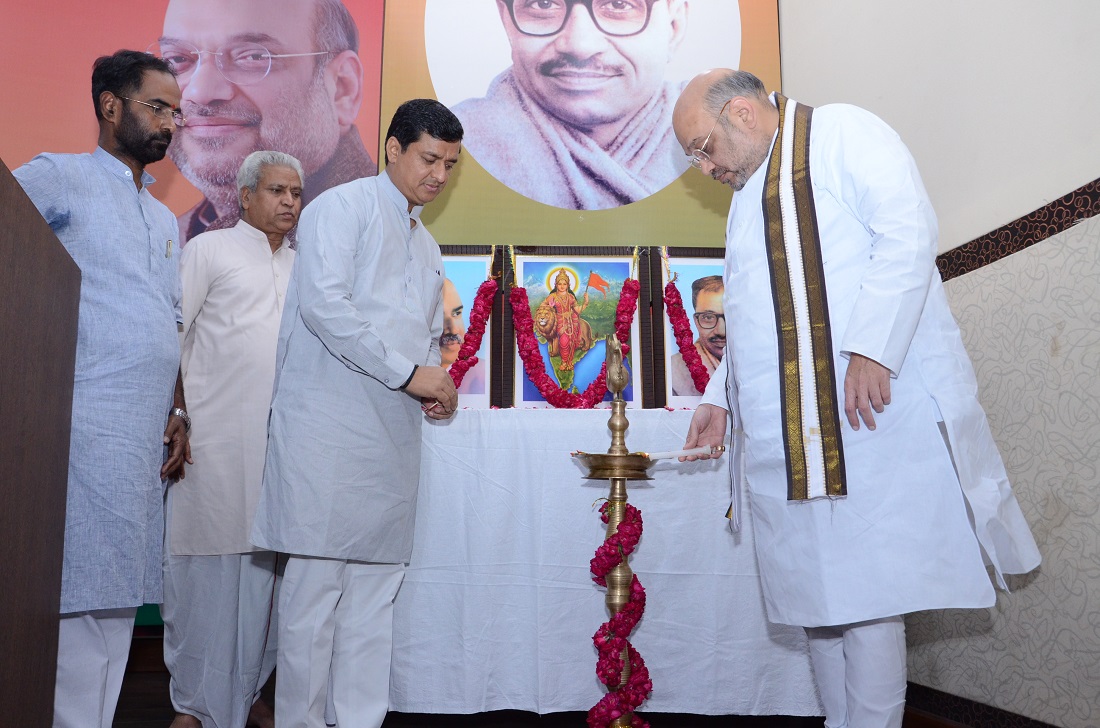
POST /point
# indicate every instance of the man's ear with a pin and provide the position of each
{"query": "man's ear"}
(393, 148)
(110, 107)
(678, 16)
(742, 111)
(344, 82)
(244, 197)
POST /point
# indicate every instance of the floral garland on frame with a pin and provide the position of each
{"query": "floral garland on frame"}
(611, 638)
(681, 329)
(535, 367)
(479, 316)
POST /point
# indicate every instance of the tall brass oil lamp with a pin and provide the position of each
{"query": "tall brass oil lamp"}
(618, 465)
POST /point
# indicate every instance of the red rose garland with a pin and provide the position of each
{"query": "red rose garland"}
(479, 316)
(534, 366)
(681, 329)
(610, 638)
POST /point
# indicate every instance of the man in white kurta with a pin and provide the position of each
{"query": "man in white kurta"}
(358, 366)
(847, 567)
(218, 588)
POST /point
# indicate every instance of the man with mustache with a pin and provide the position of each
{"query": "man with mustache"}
(280, 75)
(454, 336)
(218, 588)
(706, 299)
(358, 368)
(127, 396)
(583, 118)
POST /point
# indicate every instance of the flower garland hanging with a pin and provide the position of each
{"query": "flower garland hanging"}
(611, 638)
(681, 329)
(535, 367)
(479, 316)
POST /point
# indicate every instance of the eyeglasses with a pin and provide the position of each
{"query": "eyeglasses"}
(699, 155)
(548, 17)
(707, 320)
(240, 63)
(161, 112)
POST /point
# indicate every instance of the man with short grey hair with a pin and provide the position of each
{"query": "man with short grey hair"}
(219, 639)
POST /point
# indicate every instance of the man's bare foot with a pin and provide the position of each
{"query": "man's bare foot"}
(260, 715)
(185, 721)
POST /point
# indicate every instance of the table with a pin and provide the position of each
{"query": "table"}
(498, 608)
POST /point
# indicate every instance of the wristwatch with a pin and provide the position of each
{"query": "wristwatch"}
(183, 416)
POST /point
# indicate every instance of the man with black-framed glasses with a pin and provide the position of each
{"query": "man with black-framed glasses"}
(282, 75)
(710, 322)
(583, 118)
(127, 396)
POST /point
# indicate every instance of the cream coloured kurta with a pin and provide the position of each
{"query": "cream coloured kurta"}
(901, 540)
(366, 304)
(234, 288)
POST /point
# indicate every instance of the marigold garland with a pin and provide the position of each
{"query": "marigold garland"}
(479, 316)
(611, 638)
(531, 355)
(681, 329)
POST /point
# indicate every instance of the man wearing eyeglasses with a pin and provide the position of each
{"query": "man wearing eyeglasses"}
(706, 299)
(582, 120)
(127, 396)
(876, 486)
(280, 75)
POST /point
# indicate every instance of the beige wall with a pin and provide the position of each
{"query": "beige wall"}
(997, 99)
(1031, 323)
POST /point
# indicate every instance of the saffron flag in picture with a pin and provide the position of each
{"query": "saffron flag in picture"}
(562, 336)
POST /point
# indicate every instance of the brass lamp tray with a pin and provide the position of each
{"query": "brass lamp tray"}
(602, 466)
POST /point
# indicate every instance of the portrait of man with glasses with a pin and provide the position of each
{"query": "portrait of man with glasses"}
(710, 323)
(281, 75)
(582, 119)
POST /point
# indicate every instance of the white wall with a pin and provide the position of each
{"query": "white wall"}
(997, 99)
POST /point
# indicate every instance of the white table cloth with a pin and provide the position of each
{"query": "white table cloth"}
(498, 608)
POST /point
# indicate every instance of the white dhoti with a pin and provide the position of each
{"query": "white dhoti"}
(860, 672)
(92, 650)
(335, 618)
(219, 633)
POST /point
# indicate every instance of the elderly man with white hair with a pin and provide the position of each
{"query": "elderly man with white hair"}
(219, 638)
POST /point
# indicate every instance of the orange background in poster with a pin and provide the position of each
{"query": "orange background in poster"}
(47, 48)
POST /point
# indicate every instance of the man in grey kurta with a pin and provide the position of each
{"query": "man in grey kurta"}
(357, 365)
(127, 362)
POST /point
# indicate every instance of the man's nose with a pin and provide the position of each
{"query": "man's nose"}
(206, 82)
(580, 37)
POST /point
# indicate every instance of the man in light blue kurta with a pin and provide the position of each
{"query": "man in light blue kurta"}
(127, 361)
(358, 363)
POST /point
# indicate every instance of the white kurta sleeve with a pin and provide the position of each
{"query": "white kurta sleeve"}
(331, 233)
(716, 388)
(866, 164)
(195, 282)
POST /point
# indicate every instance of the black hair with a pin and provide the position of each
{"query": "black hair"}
(123, 73)
(706, 283)
(420, 116)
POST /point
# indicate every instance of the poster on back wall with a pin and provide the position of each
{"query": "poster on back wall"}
(567, 107)
(297, 77)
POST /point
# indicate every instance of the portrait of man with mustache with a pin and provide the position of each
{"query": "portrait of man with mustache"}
(582, 119)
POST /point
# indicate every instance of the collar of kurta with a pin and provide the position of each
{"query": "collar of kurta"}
(254, 232)
(398, 198)
(118, 168)
(807, 380)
